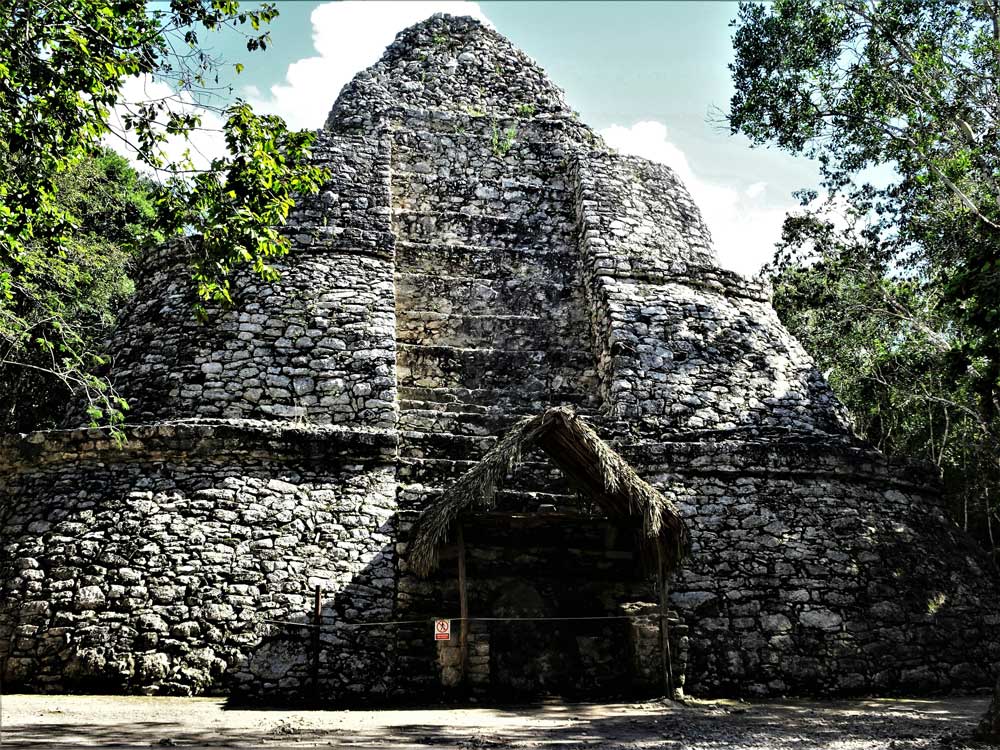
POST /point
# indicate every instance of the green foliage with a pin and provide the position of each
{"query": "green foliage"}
(914, 85)
(237, 206)
(525, 110)
(63, 65)
(502, 140)
(903, 309)
(63, 303)
(887, 347)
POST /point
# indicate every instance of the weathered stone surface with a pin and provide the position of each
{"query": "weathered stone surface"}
(477, 254)
(277, 659)
(152, 668)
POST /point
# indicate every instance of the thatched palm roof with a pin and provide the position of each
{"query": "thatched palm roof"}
(586, 460)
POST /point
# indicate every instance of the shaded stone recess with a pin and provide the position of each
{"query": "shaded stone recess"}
(477, 255)
(547, 564)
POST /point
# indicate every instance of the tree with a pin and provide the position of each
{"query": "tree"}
(885, 345)
(910, 83)
(72, 294)
(63, 65)
(989, 728)
(914, 84)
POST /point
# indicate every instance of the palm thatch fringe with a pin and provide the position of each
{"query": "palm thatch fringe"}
(587, 461)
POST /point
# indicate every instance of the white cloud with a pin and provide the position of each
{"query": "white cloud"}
(205, 143)
(744, 223)
(347, 37)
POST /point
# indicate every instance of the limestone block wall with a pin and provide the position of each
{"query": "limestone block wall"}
(489, 308)
(316, 347)
(448, 64)
(644, 648)
(681, 343)
(477, 255)
(154, 568)
(819, 569)
(644, 215)
(491, 322)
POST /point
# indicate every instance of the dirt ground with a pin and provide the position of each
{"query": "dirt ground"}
(133, 722)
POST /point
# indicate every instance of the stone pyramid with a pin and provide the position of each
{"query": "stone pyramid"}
(477, 255)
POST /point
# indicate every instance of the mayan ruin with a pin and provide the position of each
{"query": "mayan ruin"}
(502, 381)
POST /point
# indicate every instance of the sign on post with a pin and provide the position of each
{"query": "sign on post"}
(442, 630)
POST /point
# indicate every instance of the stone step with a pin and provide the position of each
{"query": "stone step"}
(478, 296)
(488, 262)
(522, 373)
(480, 153)
(420, 123)
(533, 476)
(470, 424)
(556, 187)
(442, 449)
(415, 496)
(526, 400)
(466, 411)
(430, 328)
(450, 407)
(452, 447)
(423, 123)
(427, 417)
(444, 445)
(495, 230)
(415, 191)
(514, 209)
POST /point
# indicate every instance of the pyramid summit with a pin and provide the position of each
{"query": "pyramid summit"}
(451, 64)
(502, 344)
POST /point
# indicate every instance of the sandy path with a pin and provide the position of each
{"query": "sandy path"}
(134, 722)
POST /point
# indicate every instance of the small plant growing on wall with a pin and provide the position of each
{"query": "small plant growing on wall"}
(502, 140)
(525, 110)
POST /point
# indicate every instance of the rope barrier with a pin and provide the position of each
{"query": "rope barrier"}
(461, 619)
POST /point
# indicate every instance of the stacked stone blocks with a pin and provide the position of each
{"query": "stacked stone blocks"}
(476, 256)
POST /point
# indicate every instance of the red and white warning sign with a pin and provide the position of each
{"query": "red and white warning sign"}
(442, 630)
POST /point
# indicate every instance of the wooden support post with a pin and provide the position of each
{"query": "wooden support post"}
(665, 660)
(463, 604)
(316, 629)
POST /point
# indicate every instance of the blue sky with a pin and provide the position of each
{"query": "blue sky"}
(647, 75)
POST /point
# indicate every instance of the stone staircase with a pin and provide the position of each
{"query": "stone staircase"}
(491, 320)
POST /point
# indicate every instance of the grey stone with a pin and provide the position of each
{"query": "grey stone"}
(151, 668)
(821, 618)
(442, 283)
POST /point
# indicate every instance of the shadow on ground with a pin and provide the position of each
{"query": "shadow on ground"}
(799, 725)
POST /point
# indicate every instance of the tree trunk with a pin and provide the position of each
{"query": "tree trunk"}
(989, 727)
